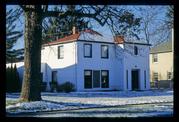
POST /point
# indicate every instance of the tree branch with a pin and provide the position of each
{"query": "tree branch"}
(78, 14)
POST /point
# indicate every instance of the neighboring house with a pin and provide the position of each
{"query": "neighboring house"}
(92, 62)
(161, 65)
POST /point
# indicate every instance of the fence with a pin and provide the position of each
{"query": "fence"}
(166, 84)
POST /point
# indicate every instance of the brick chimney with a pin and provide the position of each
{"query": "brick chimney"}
(119, 39)
(74, 30)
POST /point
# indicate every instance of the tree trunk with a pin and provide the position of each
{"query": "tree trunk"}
(31, 90)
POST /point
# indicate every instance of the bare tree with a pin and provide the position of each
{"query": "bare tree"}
(54, 27)
(170, 16)
(35, 14)
(153, 23)
(33, 34)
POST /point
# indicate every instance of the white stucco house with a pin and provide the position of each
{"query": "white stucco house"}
(93, 63)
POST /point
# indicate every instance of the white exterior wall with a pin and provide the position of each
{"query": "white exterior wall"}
(65, 67)
(140, 61)
(75, 73)
(120, 63)
(97, 63)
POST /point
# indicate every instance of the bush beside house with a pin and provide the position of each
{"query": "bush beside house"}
(65, 87)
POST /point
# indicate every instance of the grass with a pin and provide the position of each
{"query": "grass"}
(11, 102)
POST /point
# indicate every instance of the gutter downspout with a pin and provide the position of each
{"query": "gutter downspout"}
(172, 40)
(76, 63)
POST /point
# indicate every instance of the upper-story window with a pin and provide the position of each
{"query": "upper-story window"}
(135, 50)
(87, 50)
(155, 58)
(60, 52)
(155, 76)
(104, 51)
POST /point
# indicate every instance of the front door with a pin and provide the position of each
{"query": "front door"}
(135, 79)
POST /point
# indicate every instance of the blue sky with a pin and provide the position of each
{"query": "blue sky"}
(103, 30)
(19, 26)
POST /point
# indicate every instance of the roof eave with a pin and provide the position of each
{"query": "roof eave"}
(136, 43)
(62, 42)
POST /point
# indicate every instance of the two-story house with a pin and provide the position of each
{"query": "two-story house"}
(161, 65)
(92, 62)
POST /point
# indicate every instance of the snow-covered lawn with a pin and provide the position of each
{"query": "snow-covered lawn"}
(35, 107)
(76, 100)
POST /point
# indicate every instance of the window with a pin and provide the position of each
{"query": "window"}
(88, 50)
(104, 51)
(96, 78)
(135, 50)
(104, 79)
(169, 75)
(155, 58)
(54, 76)
(144, 79)
(155, 76)
(60, 52)
(92, 79)
(127, 78)
(88, 78)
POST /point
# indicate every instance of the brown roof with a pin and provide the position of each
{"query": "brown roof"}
(73, 37)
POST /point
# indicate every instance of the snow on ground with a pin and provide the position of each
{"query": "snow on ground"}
(32, 107)
(36, 107)
(76, 100)
(144, 110)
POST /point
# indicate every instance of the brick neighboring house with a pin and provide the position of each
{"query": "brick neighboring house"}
(161, 65)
